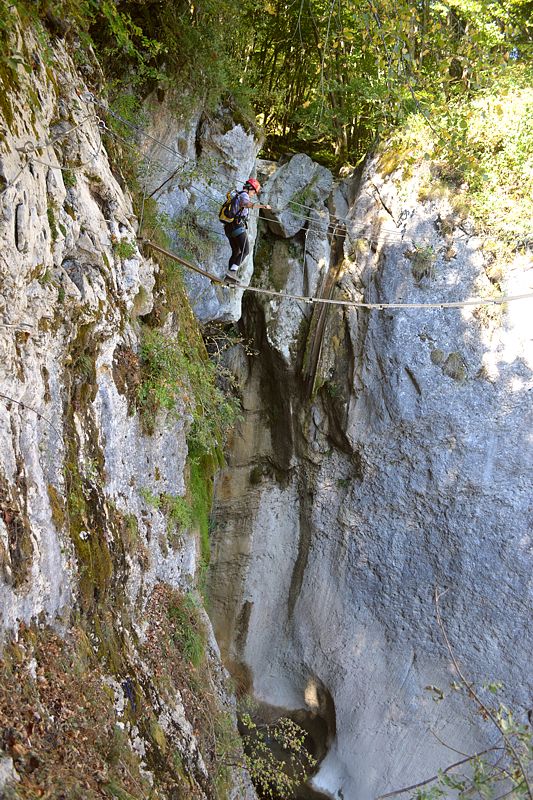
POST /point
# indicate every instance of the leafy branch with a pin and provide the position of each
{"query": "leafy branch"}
(501, 719)
(513, 751)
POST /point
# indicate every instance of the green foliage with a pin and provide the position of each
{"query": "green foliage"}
(151, 499)
(177, 510)
(115, 790)
(331, 77)
(126, 112)
(175, 372)
(84, 365)
(144, 44)
(341, 74)
(228, 747)
(46, 278)
(163, 372)
(479, 153)
(276, 756)
(50, 213)
(69, 178)
(187, 628)
(124, 249)
(200, 490)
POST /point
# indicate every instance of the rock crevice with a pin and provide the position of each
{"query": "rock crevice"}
(409, 456)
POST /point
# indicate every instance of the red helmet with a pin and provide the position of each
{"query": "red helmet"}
(253, 183)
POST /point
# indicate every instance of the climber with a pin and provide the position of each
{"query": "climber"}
(234, 215)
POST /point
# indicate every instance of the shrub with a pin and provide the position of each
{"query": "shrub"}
(188, 631)
(480, 151)
(276, 756)
(422, 259)
(124, 249)
(174, 373)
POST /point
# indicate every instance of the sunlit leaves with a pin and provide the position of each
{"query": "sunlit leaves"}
(342, 70)
(276, 756)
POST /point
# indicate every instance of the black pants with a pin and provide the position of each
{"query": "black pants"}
(239, 246)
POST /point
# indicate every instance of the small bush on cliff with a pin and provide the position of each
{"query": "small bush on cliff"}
(175, 376)
(276, 756)
(124, 249)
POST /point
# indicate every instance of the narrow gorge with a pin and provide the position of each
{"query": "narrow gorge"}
(308, 495)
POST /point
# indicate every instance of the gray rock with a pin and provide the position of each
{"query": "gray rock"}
(199, 163)
(340, 514)
(70, 305)
(294, 190)
(8, 773)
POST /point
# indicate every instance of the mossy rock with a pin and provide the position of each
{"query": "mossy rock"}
(437, 356)
(455, 367)
(280, 265)
(390, 161)
(57, 507)
(158, 735)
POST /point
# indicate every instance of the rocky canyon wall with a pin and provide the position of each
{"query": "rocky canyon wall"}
(384, 455)
(111, 683)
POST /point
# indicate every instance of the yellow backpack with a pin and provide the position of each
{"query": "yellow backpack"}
(230, 209)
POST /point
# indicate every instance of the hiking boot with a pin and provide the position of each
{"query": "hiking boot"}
(231, 278)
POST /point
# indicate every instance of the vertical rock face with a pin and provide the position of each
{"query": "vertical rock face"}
(85, 546)
(71, 298)
(191, 167)
(394, 461)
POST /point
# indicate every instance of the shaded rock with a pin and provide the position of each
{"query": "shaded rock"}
(295, 189)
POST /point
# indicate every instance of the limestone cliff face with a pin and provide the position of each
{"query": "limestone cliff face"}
(97, 584)
(383, 454)
(192, 164)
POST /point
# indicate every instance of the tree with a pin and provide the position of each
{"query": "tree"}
(341, 71)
